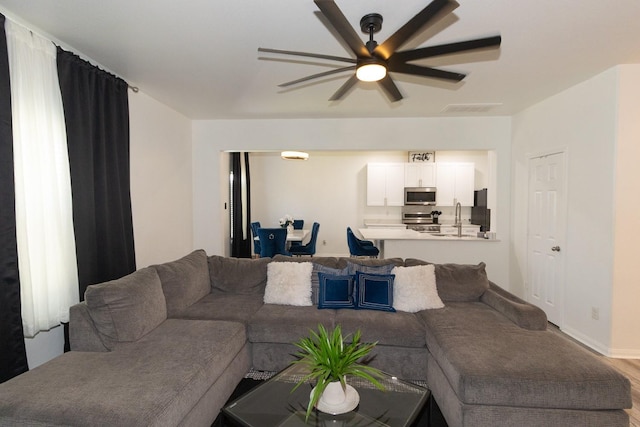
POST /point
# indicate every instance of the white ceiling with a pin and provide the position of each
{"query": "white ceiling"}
(200, 56)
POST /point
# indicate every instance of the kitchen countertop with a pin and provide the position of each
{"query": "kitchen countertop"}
(408, 234)
(384, 223)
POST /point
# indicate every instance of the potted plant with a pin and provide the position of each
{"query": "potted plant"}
(329, 360)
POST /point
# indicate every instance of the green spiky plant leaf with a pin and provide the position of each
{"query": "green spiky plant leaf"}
(329, 359)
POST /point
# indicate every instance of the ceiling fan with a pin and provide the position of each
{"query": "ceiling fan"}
(373, 62)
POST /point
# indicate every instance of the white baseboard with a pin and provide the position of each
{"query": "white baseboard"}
(616, 353)
(588, 341)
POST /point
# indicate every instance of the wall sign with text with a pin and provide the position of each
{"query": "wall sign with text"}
(422, 156)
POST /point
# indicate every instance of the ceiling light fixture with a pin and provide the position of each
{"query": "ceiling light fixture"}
(294, 155)
(371, 70)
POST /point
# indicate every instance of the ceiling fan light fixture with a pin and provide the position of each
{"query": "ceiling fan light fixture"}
(371, 71)
(294, 155)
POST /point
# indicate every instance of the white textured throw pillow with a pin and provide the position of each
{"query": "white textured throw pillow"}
(414, 288)
(288, 283)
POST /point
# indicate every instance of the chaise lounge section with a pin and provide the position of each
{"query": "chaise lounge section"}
(167, 345)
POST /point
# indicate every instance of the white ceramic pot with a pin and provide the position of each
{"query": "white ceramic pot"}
(289, 228)
(333, 394)
(335, 400)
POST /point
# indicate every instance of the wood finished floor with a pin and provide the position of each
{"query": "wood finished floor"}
(629, 368)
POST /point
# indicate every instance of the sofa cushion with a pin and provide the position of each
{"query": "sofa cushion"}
(154, 382)
(374, 291)
(238, 275)
(128, 308)
(488, 360)
(275, 323)
(335, 291)
(371, 262)
(328, 265)
(288, 283)
(374, 266)
(414, 288)
(220, 305)
(184, 281)
(457, 282)
(389, 329)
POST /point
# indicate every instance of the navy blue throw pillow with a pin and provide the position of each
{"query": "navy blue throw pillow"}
(335, 291)
(374, 291)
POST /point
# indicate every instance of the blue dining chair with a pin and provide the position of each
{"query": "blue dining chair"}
(297, 225)
(256, 242)
(309, 248)
(273, 241)
(358, 247)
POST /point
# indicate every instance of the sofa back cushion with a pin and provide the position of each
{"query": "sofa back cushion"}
(458, 282)
(372, 265)
(126, 309)
(242, 276)
(184, 281)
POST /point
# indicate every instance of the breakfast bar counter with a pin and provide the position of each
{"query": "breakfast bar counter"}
(438, 248)
(382, 234)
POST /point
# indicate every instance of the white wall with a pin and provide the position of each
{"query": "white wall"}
(625, 321)
(329, 188)
(210, 138)
(331, 182)
(584, 121)
(44, 346)
(161, 190)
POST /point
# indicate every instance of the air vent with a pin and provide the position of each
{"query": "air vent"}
(470, 108)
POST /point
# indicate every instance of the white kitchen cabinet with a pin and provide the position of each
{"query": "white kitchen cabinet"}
(455, 183)
(420, 175)
(385, 184)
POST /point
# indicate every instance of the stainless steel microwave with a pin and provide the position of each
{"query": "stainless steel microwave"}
(425, 196)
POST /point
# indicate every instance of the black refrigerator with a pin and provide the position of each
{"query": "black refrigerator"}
(480, 215)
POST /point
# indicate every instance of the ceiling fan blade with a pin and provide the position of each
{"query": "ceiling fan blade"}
(344, 88)
(434, 11)
(316, 76)
(307, 54)
(390, 89)
(337, 19)
(445, 49)
(417, 70)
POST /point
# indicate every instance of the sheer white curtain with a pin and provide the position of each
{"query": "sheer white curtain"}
(44, 223)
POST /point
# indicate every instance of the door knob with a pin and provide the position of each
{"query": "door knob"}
(556, 248)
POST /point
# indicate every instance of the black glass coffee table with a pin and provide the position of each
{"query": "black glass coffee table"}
(273, 404)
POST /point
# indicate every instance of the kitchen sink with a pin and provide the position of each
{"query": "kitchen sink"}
(451, 235)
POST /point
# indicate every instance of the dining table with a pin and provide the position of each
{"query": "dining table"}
(294, 236)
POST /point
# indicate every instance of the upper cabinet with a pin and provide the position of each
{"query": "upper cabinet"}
(420, 175)
(385, 184)
(455, 183)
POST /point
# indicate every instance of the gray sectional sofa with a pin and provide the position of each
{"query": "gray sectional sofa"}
(167, 345)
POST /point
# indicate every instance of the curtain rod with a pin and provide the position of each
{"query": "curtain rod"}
(135, 89)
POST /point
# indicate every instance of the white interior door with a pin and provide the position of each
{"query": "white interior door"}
(546, 235)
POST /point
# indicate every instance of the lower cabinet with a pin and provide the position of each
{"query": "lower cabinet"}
(467, 229)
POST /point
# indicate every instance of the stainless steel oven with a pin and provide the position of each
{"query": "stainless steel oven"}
(422, 196)
(419, 218)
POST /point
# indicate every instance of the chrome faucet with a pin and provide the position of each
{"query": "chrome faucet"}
(459, 218)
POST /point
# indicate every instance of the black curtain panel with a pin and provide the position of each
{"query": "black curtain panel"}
(96, 110)
(241, 238)
(13, 356)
